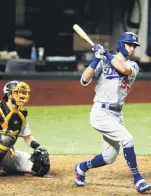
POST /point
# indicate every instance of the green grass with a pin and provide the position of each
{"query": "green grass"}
(67, 129)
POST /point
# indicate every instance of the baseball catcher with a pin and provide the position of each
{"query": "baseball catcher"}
(14, 124)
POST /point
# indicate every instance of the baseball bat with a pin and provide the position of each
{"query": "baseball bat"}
(82, 34)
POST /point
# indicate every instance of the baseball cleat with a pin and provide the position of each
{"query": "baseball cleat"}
(142, 186)
(80, 176)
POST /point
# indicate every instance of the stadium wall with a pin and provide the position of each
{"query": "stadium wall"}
(71, 92)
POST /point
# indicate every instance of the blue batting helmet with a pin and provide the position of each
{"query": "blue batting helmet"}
(128, 37)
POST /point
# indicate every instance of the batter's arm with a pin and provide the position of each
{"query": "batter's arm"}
(87, 74)
(118, 64)
(90, 70)
(121, 66)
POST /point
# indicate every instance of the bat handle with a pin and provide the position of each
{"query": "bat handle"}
(92, 44)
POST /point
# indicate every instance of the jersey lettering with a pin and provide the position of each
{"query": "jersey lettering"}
(112, 81)
(110, 71)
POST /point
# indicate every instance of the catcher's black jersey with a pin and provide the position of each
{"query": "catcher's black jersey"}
(12, 119)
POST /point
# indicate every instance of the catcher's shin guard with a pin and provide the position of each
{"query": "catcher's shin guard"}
(6, 142)
(2, 153)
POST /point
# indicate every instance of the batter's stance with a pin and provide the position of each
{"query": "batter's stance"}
(115, 76)
(14, 124)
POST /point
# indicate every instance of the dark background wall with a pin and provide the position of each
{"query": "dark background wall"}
(148, 49)
(7, 24)
(51, 21)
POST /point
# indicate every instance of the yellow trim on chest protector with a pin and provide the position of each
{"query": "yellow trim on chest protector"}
(7, 118)
(11, 133)
(23, 119)
(2, 113)
(4, 147)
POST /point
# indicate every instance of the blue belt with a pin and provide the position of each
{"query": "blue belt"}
(111, 107)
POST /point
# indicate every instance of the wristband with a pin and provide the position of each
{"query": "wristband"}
(34, 144)
(109, 56)
(94, 63)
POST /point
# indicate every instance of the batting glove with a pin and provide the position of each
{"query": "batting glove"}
(98, 56)
(98, 48)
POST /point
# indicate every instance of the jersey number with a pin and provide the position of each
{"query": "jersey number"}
(125, 84)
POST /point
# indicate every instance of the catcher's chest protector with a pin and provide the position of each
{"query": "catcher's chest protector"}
(11, 119)
(11, 122)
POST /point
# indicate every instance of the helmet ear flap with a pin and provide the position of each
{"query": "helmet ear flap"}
(120, 45)
(121, 48)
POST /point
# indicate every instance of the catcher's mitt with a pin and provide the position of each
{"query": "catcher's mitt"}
(41, 162)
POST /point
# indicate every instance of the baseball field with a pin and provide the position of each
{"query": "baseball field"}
(67, 134)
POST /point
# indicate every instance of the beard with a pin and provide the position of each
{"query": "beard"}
(14, 102)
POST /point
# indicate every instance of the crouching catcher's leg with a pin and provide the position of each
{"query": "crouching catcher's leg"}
(7, 140)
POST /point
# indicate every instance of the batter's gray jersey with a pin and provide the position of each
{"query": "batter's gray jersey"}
(111, 89)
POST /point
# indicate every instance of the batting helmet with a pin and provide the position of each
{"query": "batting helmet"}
(19, 89)
(128, 37)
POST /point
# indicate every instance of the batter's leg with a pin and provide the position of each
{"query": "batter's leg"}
(112, 128)
(110, 151)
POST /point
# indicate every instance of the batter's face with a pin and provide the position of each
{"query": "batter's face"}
(130, 48)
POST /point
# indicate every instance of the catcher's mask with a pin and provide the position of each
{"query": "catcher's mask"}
(19, 90)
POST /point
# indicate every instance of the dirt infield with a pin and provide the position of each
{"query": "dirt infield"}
(112, 180)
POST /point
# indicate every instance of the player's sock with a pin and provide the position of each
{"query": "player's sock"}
(130, 157)
(97, 161)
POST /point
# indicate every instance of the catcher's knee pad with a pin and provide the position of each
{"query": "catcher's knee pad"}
(128, 142)
(6, 142)
(2, 154)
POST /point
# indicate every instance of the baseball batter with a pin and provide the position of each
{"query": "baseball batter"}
(114, 77)
(14, 124)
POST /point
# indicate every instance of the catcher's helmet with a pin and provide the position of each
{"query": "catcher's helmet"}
(9, 87)
(128, 37)
(20, 90)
